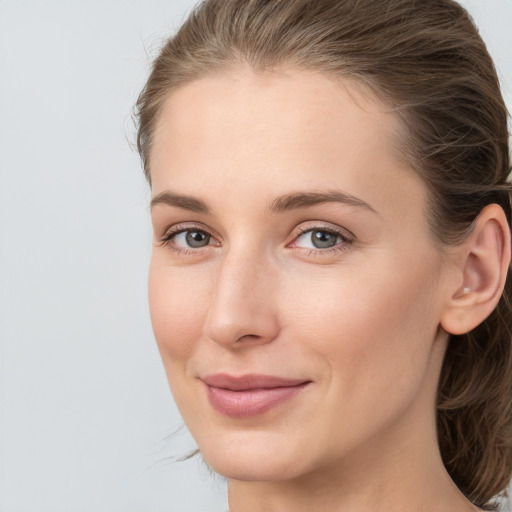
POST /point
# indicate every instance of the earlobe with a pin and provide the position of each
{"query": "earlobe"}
(484, 262)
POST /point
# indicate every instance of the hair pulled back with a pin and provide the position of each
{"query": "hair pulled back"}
(428, 63)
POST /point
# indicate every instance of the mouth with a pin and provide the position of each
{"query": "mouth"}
(250, 395)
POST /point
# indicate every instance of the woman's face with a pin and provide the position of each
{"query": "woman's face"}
(295, 293)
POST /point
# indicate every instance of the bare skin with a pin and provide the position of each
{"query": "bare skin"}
(290, 241)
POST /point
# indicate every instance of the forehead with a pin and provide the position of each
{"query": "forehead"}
(306, 105)
(272, 132)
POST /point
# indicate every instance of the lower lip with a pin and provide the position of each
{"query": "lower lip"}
(251, 402)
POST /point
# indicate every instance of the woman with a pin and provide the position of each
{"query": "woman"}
(328, 285)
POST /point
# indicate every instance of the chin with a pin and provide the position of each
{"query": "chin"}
(254, 470)
(247, 458)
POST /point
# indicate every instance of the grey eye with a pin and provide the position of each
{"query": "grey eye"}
(323, 239)
(197, 238)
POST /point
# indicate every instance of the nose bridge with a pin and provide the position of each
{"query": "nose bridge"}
(241, 309)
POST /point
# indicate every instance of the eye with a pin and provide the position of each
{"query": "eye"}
(192, 238)
(321, 239)
(318, 239)
(183, 238)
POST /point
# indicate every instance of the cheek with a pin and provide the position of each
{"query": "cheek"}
(178, 303)
(372, 329)
(371, 338)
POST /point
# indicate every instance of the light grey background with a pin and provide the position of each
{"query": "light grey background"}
(84, 407)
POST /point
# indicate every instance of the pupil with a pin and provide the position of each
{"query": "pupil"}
(197, 239)
(323, 239)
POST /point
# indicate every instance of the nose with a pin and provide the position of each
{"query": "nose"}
(242, 312)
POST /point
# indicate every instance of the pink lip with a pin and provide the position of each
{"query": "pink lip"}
(250, 395)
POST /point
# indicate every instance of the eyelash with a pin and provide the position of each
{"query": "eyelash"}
(346, 239)
(173, 232)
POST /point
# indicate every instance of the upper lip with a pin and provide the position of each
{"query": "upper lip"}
(250, 381)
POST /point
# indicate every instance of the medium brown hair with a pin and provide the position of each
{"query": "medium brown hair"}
(426, 61)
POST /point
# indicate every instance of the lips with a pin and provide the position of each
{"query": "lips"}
(250, 395)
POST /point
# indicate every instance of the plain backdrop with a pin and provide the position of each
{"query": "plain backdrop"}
(86, 417)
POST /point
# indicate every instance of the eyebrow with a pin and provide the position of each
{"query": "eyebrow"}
(287, 202)
(180, 201)
(307, 199)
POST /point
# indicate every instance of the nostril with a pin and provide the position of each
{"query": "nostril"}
(252, 331)
(248, 338)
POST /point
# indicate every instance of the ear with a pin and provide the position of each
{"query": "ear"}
(483, 262)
